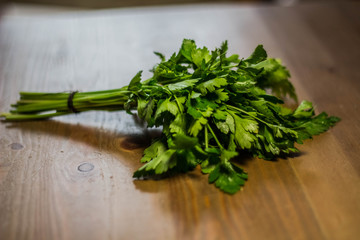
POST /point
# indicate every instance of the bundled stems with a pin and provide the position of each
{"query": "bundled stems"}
(36, 106)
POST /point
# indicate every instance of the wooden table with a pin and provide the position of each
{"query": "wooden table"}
(71, 177)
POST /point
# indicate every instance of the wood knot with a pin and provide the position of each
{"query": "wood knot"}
(16, 146)
(331, 69)
(85, 167)
(134, 142)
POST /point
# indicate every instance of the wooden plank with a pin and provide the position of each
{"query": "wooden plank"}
(70, 178)
(123, 3)
(330, 79)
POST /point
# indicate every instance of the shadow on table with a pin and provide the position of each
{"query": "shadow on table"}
(107, 140)
(117, 142)
(112, 140)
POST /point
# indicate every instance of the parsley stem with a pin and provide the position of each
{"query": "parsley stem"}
(243, 111)
(22, 117)
(216, 140)
(178, 104)
(260, 120)
(206, 137)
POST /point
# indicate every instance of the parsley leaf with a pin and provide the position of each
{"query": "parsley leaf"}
(210, 85)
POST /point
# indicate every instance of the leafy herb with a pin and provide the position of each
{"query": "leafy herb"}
(212, 108)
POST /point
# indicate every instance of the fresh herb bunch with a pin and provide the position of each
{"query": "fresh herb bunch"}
(211, 108)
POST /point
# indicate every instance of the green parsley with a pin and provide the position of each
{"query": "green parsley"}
(212, 108)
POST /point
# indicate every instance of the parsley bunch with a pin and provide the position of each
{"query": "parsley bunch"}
(211, 107)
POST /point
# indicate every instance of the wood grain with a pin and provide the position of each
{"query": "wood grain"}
(123, 3)
(70, 177)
